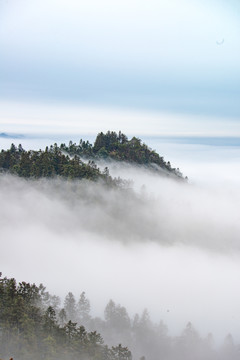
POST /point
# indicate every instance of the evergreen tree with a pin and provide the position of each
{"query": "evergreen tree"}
(83, 310)
(70, 307)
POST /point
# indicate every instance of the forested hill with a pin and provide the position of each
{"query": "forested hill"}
(65, 161)
(34, 325)
(50, 163)
(117, 147)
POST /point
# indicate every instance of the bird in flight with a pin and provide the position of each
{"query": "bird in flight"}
(220, 42)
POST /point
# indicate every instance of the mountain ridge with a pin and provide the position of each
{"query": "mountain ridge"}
(70, 161)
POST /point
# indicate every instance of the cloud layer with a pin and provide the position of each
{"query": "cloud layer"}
(163, 245)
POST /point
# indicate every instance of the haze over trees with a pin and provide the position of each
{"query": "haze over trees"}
(33, 325)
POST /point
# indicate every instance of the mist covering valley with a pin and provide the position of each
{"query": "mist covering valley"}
(171, 247)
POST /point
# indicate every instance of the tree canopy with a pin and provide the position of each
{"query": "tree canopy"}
(79, 161)
(49, 163)
(117, 147)
(34, 326)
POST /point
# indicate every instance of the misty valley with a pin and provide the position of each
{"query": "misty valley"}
(156, 254)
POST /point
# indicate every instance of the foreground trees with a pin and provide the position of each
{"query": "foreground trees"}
(33, 326)
(30, 329)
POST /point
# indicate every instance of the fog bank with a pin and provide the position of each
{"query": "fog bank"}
(171, 247)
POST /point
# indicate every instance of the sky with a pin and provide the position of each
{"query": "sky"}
(176, 56)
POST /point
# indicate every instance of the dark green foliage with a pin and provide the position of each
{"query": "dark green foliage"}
(29, 329)
(84, 148)
(49, 163)
(65, 160)
(117, 147)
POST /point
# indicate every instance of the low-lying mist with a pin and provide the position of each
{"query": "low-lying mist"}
(165, 245)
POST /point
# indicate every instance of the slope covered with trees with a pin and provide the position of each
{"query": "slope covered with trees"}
(67, 161)
(34, 326)
(49, 163)
(31, 327)
(117, 147)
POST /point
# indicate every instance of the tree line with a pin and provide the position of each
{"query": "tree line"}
(32, 327)
(50, 163)
(117, 147)
(69, 161)
(33, 324)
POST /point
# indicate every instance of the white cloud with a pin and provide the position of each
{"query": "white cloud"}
(168, 246)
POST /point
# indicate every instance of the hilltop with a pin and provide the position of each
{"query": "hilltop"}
(117, 147)
(70, 161)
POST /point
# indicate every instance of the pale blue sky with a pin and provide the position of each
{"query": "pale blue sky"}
(157, 55)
